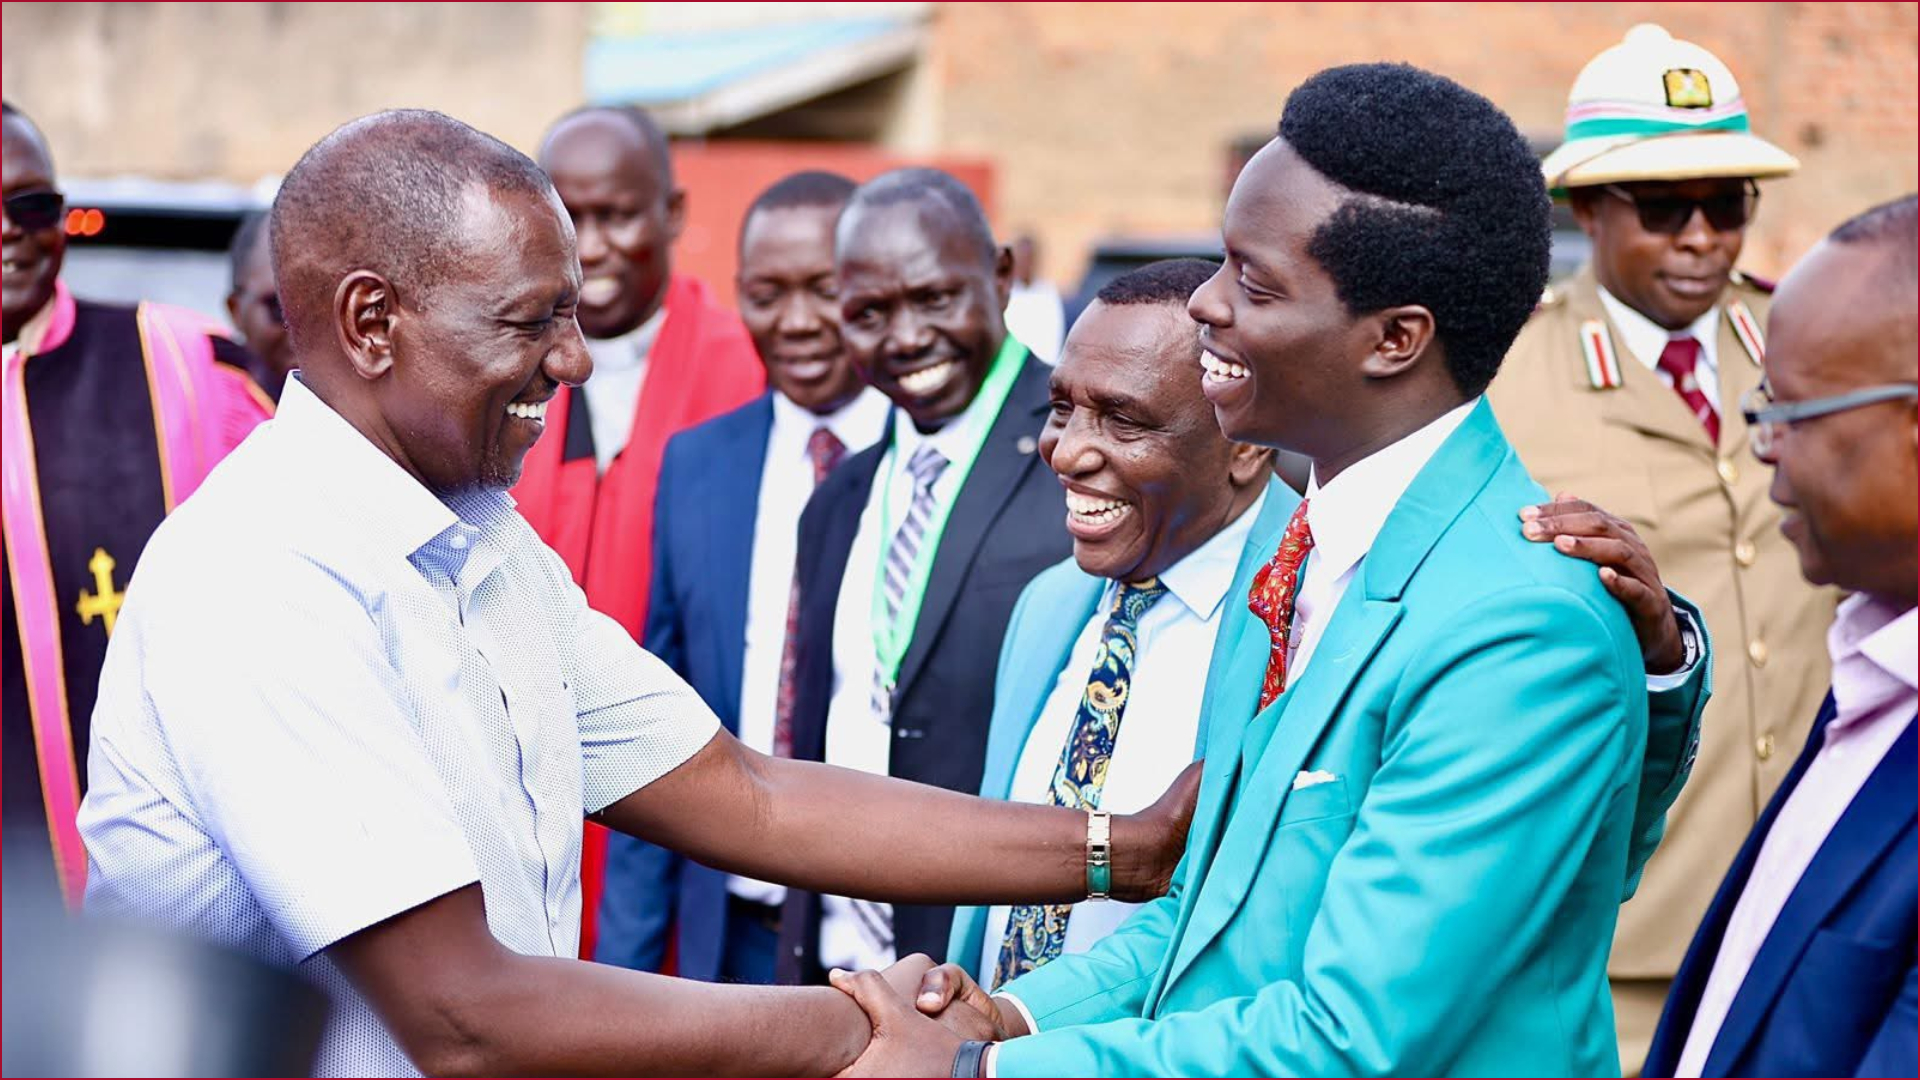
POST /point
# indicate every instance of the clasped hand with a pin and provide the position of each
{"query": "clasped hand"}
(920, 1015)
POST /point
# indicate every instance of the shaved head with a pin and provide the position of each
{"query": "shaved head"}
(385, 193)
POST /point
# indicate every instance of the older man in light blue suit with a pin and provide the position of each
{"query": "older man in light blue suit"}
(1428, 745)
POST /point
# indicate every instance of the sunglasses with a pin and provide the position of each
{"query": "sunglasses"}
(35, 210)
(1669, 214)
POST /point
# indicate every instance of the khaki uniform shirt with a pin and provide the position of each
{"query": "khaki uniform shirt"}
(1637, 451)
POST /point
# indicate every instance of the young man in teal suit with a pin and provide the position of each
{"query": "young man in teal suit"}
(1425, 755)
(1197, 514)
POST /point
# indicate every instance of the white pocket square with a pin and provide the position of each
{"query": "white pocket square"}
(1305, 779)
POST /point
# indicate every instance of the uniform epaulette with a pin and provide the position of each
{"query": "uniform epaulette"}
(1741, 277)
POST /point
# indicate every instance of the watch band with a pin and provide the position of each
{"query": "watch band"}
(1099, 854)
(967, 1059)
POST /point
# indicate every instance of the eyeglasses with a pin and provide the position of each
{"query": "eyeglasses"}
(1669, 214)
(1765, 418)
(35, 210)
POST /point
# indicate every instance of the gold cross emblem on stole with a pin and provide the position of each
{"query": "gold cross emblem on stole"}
(105, 602)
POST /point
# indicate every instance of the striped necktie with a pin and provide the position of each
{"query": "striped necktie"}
(925, 467)
(1037, 933)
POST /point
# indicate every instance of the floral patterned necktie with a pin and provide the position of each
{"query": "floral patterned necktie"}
(1036, 933)
(1272, 599)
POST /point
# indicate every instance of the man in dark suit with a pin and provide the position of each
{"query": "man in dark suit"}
(731, 491)
(1804, 965)
(913, 553)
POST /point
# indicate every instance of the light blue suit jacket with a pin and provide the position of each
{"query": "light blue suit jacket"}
(1445, 903)
(1049, 617)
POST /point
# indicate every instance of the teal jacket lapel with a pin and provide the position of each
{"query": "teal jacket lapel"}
(1051, 614)
(1274, 747)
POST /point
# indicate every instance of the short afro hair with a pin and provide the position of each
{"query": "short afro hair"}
(922, 185)
(1168, 281)
(385, 193)
(1446, 206)
(812, 188)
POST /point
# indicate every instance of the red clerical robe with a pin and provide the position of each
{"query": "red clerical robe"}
(701, 365)
(112, 417)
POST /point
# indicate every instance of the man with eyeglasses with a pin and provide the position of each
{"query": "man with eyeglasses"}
(1804, 965)
(112, 416)
(1623, 389)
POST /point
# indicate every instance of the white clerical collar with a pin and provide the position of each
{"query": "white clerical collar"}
(1646, 339)
(630, 349)
(1201, 579)
(1347, 514)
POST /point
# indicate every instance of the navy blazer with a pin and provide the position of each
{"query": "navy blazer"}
(708, 494)
(1008, 524)
(1832, 990)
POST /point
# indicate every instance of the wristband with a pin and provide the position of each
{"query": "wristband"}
(966, 1060)
(1099, 854)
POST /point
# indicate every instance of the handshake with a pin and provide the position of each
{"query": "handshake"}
(924, 1017)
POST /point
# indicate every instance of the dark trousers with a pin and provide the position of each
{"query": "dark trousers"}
(753, 934)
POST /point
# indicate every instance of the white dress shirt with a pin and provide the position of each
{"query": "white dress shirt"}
(786, 482)
(856, 738)
(613, 390)
(1875, 691)
(1645, 340)
(332, 697)
(1173, 650)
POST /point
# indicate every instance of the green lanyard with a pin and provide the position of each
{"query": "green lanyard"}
(890, 639)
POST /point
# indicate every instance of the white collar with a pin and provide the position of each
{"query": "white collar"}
(1879, 631)
(1346, 515)
(630, 348)
(1201, 579)
(951, 440)
(858, 424)
(1646, 339)
(395, 510)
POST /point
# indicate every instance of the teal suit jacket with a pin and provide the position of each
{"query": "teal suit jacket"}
(1046, 621)
(1444, 904)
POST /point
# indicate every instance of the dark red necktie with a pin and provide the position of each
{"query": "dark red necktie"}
(1681, 361)
(1271, 598)
(825, 451)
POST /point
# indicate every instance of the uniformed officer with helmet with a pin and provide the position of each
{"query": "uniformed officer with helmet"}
(1623, 389)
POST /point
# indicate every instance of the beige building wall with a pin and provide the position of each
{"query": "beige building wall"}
(237, 91)
(1102, 118)
(1117, 118)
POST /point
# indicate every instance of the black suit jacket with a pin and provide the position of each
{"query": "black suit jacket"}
(1007, 525)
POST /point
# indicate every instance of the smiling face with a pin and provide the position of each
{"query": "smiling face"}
(921, 306)
(1847, 480)
(790, 301)
(475, 360)
(626, 215)
(32, 256)
(1672, 279)
(1148, 475)
(1282, 353)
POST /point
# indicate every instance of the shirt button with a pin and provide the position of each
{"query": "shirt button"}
(1744, 553)
(458, 540)
(1729, 472)
(1757, 652)
(1763, 746)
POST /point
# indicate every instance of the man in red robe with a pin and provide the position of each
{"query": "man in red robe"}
(112, 416)
(666, 356)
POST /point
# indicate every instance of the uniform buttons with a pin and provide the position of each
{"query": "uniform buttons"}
(1763, 746)
(1729, 472)
(1744, 552)
(1757, 652)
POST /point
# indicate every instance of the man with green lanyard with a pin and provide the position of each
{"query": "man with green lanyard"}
(912, 553)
